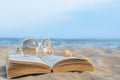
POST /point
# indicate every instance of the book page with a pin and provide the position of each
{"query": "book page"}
(20, 57)
(51, 60)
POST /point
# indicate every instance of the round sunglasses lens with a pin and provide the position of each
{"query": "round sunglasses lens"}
(30, 47)
(47, 46)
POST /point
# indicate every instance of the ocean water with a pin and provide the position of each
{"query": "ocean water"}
(110, 43)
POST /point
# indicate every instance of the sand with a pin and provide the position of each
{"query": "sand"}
(105, 60)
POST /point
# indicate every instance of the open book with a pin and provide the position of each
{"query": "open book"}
(20, 65)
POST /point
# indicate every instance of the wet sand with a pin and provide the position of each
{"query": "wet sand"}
(105, 60)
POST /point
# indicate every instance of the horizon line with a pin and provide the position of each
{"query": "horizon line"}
(61, 38)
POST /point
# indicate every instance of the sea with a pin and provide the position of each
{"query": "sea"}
(108, 43)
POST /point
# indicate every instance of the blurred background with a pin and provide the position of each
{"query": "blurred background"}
(66, 22)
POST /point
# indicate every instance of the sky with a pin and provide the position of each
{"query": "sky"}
(79, 19)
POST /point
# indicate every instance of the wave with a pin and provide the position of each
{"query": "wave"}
(67, 42)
